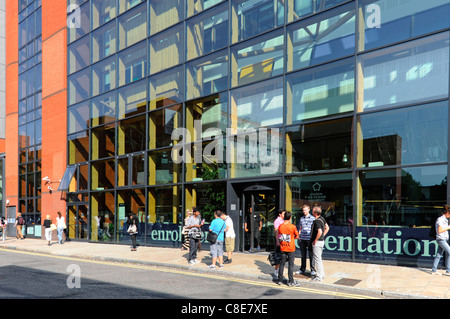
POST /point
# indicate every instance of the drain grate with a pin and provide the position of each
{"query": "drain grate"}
(347, 282)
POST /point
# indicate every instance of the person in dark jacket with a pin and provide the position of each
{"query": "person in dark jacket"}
(133, 220)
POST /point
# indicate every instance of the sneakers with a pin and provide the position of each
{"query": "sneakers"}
(299, 272)
(191, 262)
(293, 284)
(316, 279)
(435, 273)
(212, 266)
(313, 273)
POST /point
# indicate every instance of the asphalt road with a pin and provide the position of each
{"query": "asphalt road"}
(37, 276)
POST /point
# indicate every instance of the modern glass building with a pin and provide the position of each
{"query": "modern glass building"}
(240, 104)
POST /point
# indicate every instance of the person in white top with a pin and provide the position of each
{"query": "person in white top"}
(60, 226)
(230, 237)
(442, 236)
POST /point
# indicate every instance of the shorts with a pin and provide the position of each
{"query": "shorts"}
(217, 249)
(229, 243)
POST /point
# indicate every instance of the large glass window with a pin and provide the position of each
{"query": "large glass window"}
(132, 99)
(407, 73)
(207, 75)
(411, 135)
(166, 88)
(125, 5)
(79, 86)
(79, 55)
(319, 146)
(401, 20)
(207, 32)
(298, 9)
(102, 174)
(258, 105)
(78, 147)
(133, 64)
(133, 26)
(103, 141)
(131, 135)
(320, 91)
(103, 109)
(207, 115)
(322, 38)
(103, 76)
(165, 13)
(161, 124)
(102, 11)
(164, 205)
(162, 169)
(402, 196)
(253, 17)
(258, 59)
(196, 6)
(104, 42)
(166, 49)
(80, 17)
(78, 118)
(205, 160)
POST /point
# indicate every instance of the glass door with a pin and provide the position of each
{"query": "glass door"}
(77, 221)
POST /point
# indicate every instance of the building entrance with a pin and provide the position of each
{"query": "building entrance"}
(77, 221)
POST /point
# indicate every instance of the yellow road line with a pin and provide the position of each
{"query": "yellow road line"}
(203, 275)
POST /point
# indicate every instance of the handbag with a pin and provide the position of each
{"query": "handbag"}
(132, 229)
(212, 236)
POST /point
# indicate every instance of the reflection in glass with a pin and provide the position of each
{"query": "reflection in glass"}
(161, 125)
(103, 109)
(104, 42)
(402, 196)
(79, 55)
(211, 113)
(131, 135)
(102, 174)
(166, 49)
(78, 118)
(78, 86)
(322, 38)
(133, 64)
(125, 5)
(207, 75)
(166, 88)
(319, 146)
(103, 76)
(101, 212)
(411, 72)
(133, 26)
(162, 170)
(410, 135)
(257, 105)
(164, 204)
(196, 6)
(164, 14)
(301, 8)
(207, 32)
(207, 160)
(84, 24)
(321, 91)
(132, 99)
(103, 141)
(78, 147)
(402, 20)
(253, 17)
(102, 12)
(258, 59)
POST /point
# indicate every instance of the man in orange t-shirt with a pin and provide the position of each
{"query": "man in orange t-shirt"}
(287, 234)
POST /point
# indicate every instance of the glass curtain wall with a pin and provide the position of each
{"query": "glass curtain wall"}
(349, 105)
(30, 114)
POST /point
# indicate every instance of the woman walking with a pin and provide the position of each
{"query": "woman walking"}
(60, 226)
(133, 223)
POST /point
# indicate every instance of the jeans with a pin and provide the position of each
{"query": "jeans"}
(133, 240)
(443, 246)
(290, 257)
(317, 257)
(59, 231)
(306, 245)
(193, 247)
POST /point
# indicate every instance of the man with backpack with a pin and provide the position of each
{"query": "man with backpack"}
(20, 221)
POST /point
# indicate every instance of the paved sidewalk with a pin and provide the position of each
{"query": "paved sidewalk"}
(386, 281)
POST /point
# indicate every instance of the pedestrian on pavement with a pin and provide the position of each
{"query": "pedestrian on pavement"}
(230, 237)
(319, 230)
(184, 232)
(217, 226)
(442, 237)
(3, 225)
(133, 220)
(287, 234)
(253, 219)
(20, 222)
(60, 226)
(304, 242)
(48, 230)
(194, 225)
(276, 224)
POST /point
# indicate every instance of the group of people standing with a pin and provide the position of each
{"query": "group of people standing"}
(310, 231)
(222, 225)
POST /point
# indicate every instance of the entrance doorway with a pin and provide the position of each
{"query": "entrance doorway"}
(77, 221)
(258, 203)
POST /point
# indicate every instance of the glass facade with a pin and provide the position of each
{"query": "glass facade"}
(30, 111)
(343, 104)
